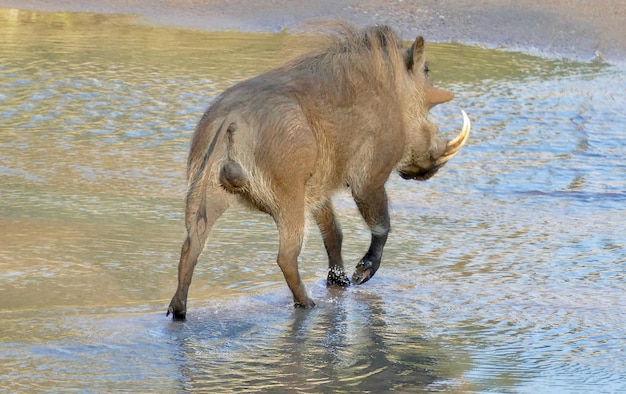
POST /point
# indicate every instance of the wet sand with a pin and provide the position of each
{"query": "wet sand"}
(564, 28)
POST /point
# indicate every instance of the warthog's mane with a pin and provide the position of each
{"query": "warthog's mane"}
(349, 60)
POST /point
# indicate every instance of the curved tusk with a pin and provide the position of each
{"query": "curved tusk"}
(452, 147)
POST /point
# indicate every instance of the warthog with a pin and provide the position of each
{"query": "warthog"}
(344, 115)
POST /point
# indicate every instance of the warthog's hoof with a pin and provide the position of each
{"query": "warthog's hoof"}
(337, 277)
(363, 272)
(177, 309)
(307, 304)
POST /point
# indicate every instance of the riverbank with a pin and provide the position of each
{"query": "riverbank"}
(563, 28)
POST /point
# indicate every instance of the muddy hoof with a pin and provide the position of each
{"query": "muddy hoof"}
(175, 315)
(177, 309)
(363, 272)
(308, 304)
(337, 277)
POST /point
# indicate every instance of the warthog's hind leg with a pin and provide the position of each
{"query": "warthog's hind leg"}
(373, 208)
(333, 237)
(290, 223)
(202, 210)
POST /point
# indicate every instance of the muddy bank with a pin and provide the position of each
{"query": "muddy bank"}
(574, 29)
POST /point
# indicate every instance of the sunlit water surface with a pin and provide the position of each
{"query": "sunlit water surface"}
(505, 272)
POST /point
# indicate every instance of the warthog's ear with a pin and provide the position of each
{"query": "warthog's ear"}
(418, 50)
(415, 54)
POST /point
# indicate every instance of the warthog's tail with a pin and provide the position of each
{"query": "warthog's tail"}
(226, 127)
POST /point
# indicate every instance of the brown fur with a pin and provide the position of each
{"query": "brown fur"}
(347, 113)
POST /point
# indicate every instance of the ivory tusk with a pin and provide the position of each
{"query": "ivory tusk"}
(452, 147)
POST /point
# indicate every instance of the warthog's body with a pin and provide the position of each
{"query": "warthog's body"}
(285, 141)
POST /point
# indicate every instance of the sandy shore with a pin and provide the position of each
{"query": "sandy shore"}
(576, 29)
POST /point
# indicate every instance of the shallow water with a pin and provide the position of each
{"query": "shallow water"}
(504, 273)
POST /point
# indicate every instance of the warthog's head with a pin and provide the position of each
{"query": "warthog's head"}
(426, 152)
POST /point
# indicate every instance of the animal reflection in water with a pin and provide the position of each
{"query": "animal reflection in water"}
(348, 345)
(348, 113)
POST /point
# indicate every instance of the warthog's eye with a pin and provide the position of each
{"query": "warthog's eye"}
(426, 68)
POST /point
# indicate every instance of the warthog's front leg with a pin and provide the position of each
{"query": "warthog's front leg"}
(373, 208)
(333, 237)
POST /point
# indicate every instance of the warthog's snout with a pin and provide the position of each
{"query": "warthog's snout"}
(440, 159)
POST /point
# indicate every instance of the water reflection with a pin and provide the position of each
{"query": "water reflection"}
(503, 273)
(346, 344)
